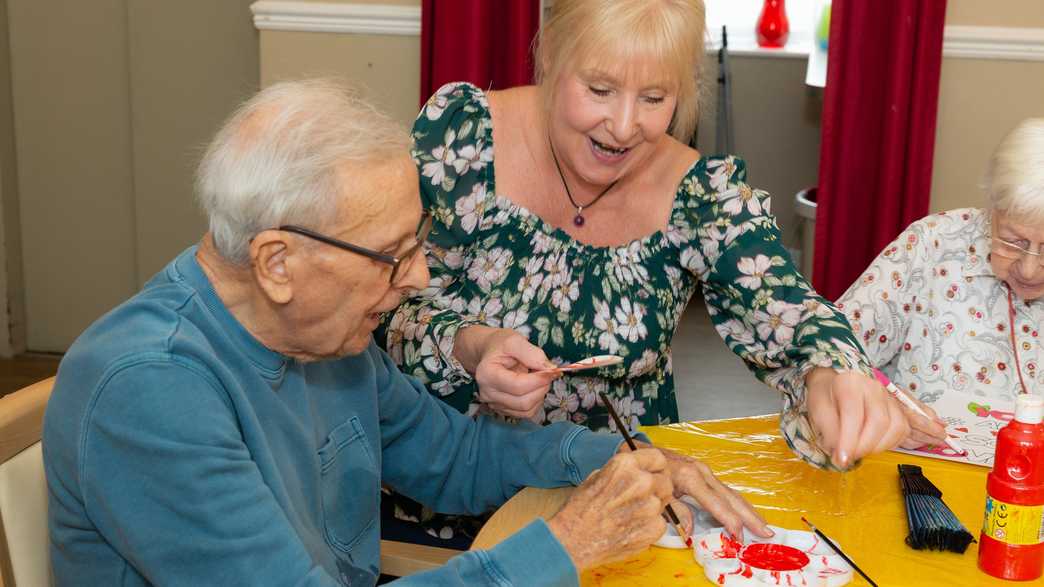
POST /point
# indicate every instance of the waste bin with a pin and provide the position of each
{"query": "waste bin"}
(805, 207)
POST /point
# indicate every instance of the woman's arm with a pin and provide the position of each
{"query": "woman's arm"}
(434, 335)
(772, 318)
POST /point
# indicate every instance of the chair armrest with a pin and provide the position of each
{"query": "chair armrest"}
(21, 417)
(400, 559)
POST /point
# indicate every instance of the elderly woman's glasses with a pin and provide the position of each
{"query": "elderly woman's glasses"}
(400, 262)
(1010, 250)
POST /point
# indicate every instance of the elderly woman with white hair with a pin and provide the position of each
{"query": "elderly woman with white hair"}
(953, 305)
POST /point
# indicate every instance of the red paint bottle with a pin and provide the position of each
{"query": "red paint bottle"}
(1011, 545)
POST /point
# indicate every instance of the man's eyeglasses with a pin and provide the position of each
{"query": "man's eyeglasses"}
(1010, 250)
(400, 262)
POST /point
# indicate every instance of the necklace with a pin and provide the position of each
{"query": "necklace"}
(578, 220)
(1014, 347)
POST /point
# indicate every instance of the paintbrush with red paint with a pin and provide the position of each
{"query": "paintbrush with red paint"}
(630, 444)
(831, 544)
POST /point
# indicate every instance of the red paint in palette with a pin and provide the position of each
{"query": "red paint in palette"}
(730, 547)
(744, 571)
(773, 557)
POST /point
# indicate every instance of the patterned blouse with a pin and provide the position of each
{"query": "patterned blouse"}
(933, 315)
(493, 262)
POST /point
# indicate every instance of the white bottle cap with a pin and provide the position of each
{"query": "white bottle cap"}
(1029, 408)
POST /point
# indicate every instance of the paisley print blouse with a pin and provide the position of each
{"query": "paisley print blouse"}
(932, 315)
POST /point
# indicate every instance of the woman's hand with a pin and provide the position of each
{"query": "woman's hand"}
(930, 430)
(855, 417)
(617, 511)
(503, 363)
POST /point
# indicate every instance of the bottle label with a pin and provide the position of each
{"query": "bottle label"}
(1013, 524)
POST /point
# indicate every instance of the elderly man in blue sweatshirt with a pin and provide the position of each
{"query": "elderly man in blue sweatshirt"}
(233, 422)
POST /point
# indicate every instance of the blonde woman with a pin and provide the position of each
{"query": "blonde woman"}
(954, 304)
(572, 219)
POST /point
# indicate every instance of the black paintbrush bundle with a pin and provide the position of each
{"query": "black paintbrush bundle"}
(932, 524)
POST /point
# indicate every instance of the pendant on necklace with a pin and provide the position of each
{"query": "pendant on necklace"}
(578, 220)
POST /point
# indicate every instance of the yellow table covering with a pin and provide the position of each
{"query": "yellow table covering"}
(862, 510)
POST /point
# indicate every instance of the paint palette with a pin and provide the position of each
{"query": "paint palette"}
(790, 557)
(588, 363)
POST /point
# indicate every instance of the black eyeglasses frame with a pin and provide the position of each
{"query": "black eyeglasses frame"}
(423, 230)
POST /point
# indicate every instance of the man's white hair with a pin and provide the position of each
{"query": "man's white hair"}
(275, 161)
(1014, 179)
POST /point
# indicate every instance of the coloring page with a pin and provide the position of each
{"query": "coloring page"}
(973, 422)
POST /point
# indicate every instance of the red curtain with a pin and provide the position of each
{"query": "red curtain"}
(878, 137)
(485, 42)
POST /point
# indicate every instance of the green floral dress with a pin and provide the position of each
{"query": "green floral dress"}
(493, 262)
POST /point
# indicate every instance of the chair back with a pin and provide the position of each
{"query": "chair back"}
(24, 542)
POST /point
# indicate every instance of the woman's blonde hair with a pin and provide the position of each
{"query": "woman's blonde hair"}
(1014, 179)
(607, 33)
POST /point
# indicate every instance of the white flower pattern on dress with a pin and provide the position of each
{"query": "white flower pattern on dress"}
(561, 402)
(498, 264)
(472, 208)
(629, 318)
(777, 321)
(605, 323)
(490, 267)
(753, 271)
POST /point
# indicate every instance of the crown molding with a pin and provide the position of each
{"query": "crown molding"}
(1006, 43)
(330, 17)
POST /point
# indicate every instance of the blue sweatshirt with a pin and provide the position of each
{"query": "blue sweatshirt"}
(180, 451)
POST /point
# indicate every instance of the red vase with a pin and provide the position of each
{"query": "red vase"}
(773, 27)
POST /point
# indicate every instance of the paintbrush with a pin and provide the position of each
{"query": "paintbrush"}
(909, 403)
(630, 444)
(932, 524)
(830, 543)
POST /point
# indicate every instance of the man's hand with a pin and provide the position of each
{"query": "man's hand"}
(616, 512)
(503, 362)
(694, 478)
(855, 417)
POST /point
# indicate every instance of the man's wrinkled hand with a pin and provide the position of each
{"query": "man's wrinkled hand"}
(616, 512)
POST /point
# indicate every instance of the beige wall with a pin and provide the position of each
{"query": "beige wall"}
(1006, 13)
(185, 80)
(776, 121)
(112, 101)
(12, 321)
(72, 105)
(980, 100)
(387, 67)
